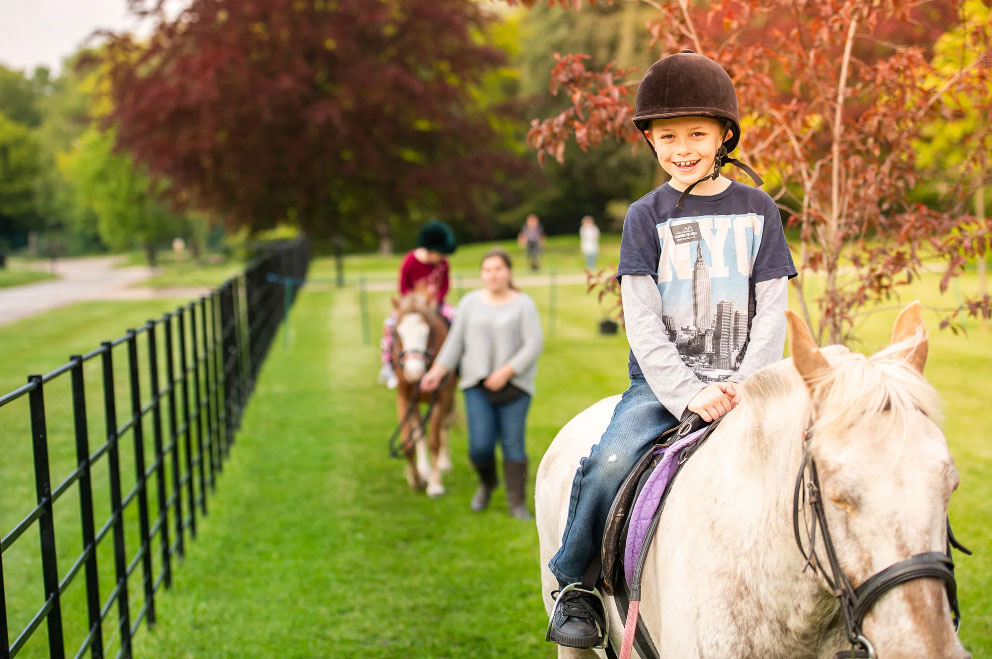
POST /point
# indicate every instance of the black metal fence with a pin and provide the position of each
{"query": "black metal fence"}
(184, 381)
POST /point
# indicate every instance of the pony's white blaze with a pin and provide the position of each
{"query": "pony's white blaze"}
(724, 577)
(414, 332)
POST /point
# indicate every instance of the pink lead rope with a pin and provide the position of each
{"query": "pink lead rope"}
(630, 626)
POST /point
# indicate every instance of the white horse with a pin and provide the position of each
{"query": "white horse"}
(724, 577)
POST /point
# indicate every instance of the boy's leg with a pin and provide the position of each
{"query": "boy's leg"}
(637, 420)
(482, 422)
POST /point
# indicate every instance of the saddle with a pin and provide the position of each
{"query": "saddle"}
(625, 544)
(617, 522)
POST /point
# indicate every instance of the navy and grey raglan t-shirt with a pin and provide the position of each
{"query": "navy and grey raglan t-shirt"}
(706, 259)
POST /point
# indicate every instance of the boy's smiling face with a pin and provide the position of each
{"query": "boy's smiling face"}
(686, 148)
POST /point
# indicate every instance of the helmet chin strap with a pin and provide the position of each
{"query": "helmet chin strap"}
(721, 158)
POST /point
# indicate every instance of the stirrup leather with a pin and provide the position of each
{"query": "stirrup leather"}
(604, 630)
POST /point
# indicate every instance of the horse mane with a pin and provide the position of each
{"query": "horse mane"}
(853, 388)
(415, 302)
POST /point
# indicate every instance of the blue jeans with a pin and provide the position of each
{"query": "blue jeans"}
(487, 422)
(637, 421)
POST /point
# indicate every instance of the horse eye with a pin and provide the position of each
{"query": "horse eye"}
(888, 405)
(845, 499)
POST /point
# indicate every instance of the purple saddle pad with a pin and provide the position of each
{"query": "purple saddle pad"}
(649, 499)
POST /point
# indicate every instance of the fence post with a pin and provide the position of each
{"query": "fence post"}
(4, 635)
(241, 364)
(177, 486)
(229, 363)
(220, 410)
(113, 462)
(198, 404)
(553, 303)
(363, 303)
(208, 422)
(188, 422)
(141, 484)
(86, 505)
(163, 506)
(46, 523)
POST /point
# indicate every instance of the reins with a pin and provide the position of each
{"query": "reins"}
(856, 602)
(400, 449)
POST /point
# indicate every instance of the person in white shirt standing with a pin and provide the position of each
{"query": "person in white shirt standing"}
(589, 240)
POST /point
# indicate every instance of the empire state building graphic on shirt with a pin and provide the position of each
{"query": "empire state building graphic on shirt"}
(703, 275)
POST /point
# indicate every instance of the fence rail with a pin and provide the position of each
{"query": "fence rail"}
(209, 352)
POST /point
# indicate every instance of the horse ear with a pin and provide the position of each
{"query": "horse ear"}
(909, 325)
(806, 356)
(396, 303)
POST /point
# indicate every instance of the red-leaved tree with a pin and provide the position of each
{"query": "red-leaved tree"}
(337, 116)
(832, 96)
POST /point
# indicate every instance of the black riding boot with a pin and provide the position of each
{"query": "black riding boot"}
(515, 474)
(578, 619)
(487, 483)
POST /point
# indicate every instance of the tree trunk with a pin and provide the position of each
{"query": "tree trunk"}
(150, 255)
(983, 285)
(628, 36)
(385, 237)
(339, 260)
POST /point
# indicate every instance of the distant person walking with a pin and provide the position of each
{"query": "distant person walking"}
(495, 340)
(532, 237)
(589, 241)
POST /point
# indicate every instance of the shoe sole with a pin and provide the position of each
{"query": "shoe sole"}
(579, 642)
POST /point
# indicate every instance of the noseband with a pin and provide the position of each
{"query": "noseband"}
(856, 602)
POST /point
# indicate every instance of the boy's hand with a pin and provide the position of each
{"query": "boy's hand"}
(715, 400)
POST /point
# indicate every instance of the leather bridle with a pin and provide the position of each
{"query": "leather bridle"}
(428, 353)
(856, 602)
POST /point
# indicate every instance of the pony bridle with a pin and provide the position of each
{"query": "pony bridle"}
(427, 354)
(856, 602)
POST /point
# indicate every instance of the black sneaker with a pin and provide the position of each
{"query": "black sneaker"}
(578, 619)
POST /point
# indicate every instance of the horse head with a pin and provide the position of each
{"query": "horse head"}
(416, 322)
(885, 476)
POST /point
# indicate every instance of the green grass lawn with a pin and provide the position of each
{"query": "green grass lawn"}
(314, 545)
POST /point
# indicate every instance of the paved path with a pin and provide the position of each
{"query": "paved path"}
(81, 280)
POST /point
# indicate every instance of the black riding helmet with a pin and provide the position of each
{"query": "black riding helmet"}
(688, 84)
(437, 237)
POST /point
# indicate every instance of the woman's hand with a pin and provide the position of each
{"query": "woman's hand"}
(433, 377)
(715, 400)
(498, 378)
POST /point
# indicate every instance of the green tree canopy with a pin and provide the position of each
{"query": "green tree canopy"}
(126, 201)
(18, 171)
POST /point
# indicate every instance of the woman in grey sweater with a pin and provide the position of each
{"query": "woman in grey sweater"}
(496, 340)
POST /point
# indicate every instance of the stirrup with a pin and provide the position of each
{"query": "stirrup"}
(604, 631)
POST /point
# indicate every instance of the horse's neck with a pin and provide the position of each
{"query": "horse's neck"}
(750, 474)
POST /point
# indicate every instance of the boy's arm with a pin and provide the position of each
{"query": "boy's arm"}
(767, 338)
(673, 383)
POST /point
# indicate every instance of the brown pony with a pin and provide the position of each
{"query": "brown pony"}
(420, 333)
